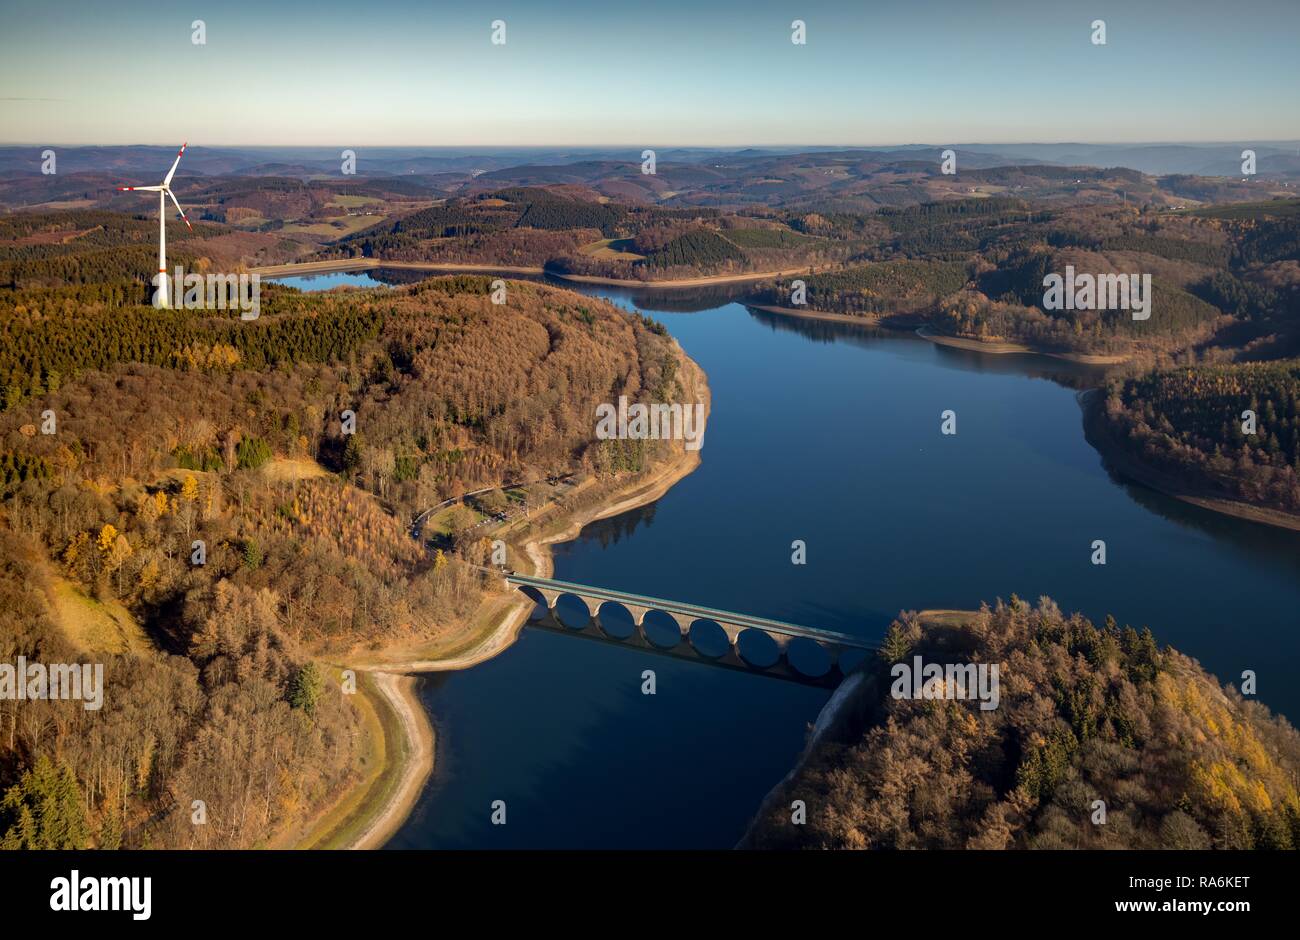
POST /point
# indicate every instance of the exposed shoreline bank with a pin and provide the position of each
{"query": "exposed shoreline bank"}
(412, 768)
(344, 265)
(1003, 349)
(908, 324)
(874, 322)
(846, 703)
(705, 281)
(410, 761)
(829, 721)
(1098, 434)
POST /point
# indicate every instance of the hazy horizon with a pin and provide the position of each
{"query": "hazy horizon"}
(569, 145)
(409, 75)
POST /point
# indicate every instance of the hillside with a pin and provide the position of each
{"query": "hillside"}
(175, 428)
(1191, 432)
(1223, 282)
(1085, 714)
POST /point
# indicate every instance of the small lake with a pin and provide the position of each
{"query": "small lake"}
(827, 433)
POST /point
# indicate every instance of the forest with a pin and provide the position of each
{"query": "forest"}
(173, 429)
(1192, 424)
(890, 287)
(1225, 283)
(551, 228)
(1087, 713)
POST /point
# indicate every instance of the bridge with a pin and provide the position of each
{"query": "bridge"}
(733, 625)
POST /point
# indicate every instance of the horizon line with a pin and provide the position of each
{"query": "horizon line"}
(686, 146)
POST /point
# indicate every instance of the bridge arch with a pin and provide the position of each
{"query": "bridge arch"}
(616, 621)
(758, 649)
(810, 658)
(574, 611)
(708, 638)
(534, 595)
(661, 630)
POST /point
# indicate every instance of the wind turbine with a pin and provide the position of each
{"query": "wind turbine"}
(163, 192)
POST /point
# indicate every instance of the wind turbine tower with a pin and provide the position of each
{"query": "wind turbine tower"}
(163, 191)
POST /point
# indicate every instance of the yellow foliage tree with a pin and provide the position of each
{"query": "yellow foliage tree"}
(107, 536)
(76, 545)
(146, 508)
(149, 574)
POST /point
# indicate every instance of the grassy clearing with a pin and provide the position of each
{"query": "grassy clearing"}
(947, 618)
(352, 202)
(289, 469)
(1273, 209)
(334, 228)
(96, 626)
(440, 522)
(616, 249)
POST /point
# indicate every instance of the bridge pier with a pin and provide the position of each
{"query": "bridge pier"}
(638, 613)
(551, 597)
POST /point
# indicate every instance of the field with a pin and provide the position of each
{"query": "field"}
(611, 249)
(95, 626)
(334, 228)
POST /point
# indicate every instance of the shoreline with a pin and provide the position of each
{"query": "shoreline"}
(1004, 349)
(1098, 434)
(830, 721)
(704, 281)
(413, 768)
(875, 322)
(344, 265)
(939, 339)
(395, 678)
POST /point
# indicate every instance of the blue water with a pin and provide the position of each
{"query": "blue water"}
(830, 434)
(315, 282)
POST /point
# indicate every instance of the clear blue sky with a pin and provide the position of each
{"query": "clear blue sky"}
(647, 72)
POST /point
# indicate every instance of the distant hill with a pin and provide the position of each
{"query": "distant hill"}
(840, 179)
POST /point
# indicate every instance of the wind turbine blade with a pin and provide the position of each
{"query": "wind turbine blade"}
(139, 189)
(180, 210)
(167, 181)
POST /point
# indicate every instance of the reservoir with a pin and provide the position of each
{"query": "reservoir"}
(828, 433)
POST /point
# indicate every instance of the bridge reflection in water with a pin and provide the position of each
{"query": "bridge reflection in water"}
(843, 651)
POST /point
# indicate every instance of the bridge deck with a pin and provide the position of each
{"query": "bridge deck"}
(692, 610)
